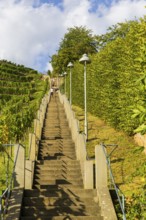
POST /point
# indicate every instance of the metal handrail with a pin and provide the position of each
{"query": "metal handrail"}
(3, 196)
(121, 202)
(6, 194)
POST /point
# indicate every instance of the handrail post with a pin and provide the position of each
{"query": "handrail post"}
(19, 166)
(32, 146)
(88, 175)
(102, 184)
(101, 168)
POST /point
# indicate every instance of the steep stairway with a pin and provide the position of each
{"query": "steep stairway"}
(58, 191)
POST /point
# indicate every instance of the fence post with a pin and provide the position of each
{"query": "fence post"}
(19, 166)
(32, 146)
(100, 167)
(29, 171)
(88, 174)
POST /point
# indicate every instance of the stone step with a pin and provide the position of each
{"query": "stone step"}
(48, 186)
(56, 153)
(48, 122)
(66, 172)
(61, 117)
(63, 217)
(56, 131)
(55, 108)
(57, 176)
(61, 130)
(59, 163)
(57, 157)
(55, 112)
(56, 134)
(54, 181)
(60, 121)
(61, 191)
(60, 201)
(56, 145)
(67, 149)
(57, 126)
(60, 210)
(63, 143)
(51, 132)
(54, 137)
(54, 124)
(55, 167)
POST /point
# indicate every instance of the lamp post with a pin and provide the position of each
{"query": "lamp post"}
(85, 59)
(65, 73)
(70, 65)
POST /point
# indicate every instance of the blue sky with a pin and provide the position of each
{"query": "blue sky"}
(31, 30)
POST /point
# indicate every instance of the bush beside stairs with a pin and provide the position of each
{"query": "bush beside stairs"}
(58, 191)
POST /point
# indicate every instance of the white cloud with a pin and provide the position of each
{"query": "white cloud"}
(30, 32)
(76, 12)
(119, 11)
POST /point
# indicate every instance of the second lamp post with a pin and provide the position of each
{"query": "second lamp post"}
(65, 73)
(85, 59)
(70, 65)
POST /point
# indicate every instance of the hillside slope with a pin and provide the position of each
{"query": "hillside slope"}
(128, 162)
(21, 90)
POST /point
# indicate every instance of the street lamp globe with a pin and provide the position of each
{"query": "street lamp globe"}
(70, 65)
(65, 73)
(84, 59)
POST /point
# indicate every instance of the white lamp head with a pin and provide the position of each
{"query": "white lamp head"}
(84, 59)
(70, 65)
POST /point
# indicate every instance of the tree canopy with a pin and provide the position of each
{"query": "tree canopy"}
(76, 42)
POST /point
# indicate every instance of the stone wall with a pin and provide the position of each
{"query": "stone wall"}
(140, 140)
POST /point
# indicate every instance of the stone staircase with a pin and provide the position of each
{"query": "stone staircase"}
(58, 191)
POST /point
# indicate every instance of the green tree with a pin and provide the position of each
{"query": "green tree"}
(76, 42)
(119, 30)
